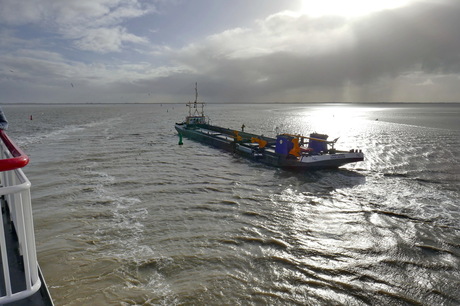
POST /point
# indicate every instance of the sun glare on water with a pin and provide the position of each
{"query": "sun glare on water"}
(335, 121)
(347, 8)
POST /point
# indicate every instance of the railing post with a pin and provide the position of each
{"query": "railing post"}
(30, 234)
(5, 263)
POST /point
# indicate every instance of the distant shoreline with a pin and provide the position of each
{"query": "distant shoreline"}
(242, 103)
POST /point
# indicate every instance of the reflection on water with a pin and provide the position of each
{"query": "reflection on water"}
(334, 120)
(124, 215)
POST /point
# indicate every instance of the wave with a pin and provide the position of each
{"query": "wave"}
(59, 133)
(139, 220)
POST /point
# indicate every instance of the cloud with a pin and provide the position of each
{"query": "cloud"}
(404, 54)
(104, 40)
(93, 25)
(42, 76)
(328, 57)
(51, 68)
(21, 12)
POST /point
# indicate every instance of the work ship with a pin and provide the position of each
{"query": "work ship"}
(287, 151)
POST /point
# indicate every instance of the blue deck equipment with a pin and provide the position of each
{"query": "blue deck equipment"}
(283, 144)
(318, 145)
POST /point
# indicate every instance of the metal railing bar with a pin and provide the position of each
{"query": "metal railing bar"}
(18, 160)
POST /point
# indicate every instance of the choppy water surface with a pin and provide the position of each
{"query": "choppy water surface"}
(123, 215)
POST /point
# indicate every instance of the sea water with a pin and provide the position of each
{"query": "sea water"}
(124, 215)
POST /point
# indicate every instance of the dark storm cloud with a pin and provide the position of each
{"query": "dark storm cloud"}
(421, 39)
(422, 36)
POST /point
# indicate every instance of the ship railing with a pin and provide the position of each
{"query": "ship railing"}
(16, 217)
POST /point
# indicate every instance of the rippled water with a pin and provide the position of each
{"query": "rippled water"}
(123, 215)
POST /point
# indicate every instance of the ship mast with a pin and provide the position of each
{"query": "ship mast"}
(196, 112)
(196, 102)
(196, 92)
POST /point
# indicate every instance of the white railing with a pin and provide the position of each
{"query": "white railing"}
(15, 191)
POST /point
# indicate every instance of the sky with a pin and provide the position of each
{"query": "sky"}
(238, 51)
